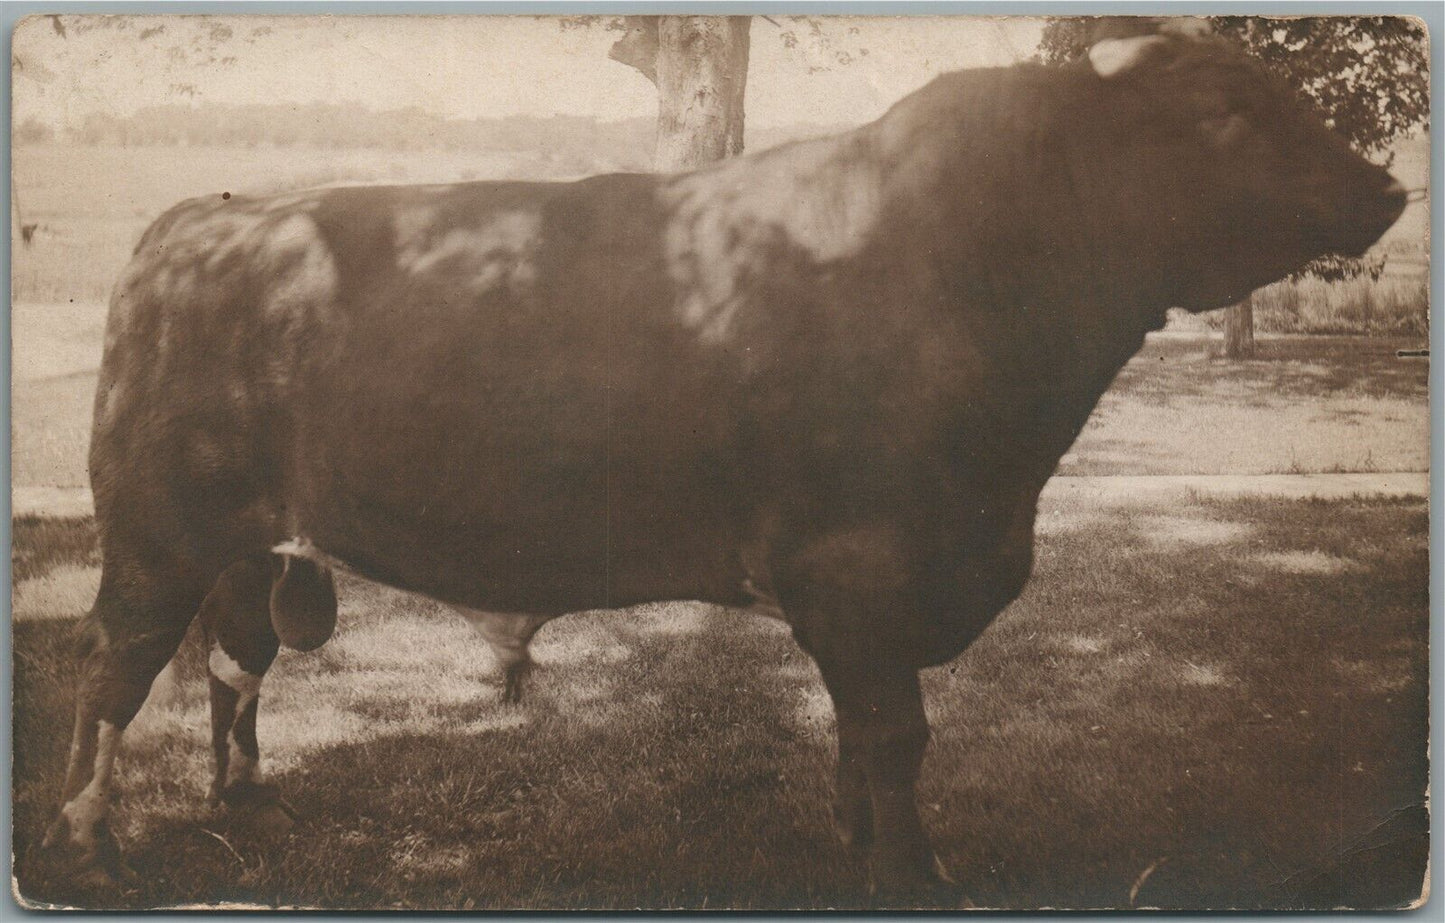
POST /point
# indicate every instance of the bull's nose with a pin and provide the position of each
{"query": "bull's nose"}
(1374, 212)
(1395, 194)
(1393, 200)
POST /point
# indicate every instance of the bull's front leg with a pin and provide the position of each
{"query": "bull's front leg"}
(848, 594)
(853, 806)
(882, 734)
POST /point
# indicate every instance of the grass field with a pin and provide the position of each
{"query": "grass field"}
(1231, 694)
(1305, 405)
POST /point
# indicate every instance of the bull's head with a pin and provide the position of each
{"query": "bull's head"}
(1217, 170)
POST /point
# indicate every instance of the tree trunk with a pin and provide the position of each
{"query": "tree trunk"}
(1239, 329)
(700, 67)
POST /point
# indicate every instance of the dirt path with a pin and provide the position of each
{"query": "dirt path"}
(66, 502)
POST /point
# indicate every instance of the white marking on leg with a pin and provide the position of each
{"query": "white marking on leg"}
(244, 699)
(77, 741)
(240, 765)
(88, 808)
(227, 670)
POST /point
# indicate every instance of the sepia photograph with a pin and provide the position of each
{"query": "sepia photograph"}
(720, 462)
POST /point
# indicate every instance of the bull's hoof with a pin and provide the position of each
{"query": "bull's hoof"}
(92, 866)
(257, 810)
(514, 680)
(271, 823)
(853, 824)
(897, 883)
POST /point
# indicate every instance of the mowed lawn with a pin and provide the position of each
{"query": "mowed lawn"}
(1196, 703)
(1304, 405)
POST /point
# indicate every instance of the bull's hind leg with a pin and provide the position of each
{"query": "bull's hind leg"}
(236, 616)
(140, 616)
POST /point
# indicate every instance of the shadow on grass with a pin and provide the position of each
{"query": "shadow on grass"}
(1306, 405)
(1229, 695)
(1177, 369)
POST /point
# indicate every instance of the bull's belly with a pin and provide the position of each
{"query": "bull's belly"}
(542, 552)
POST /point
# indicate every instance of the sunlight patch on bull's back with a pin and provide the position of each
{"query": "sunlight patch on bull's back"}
(1308, 563)
(411, 227)
(65, 592)
(816, 197)
(298, 282)
(225, 233)
(498, 250)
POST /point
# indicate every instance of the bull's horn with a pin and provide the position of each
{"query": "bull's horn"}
(1114, 56)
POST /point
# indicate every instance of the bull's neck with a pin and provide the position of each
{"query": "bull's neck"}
(982, 196)
(986, 216)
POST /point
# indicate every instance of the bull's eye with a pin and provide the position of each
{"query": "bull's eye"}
(1225, 131)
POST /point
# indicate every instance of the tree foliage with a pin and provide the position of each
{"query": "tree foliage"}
(1368, 77)
(821, 45)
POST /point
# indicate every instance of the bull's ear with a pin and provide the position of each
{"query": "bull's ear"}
(1114, 56)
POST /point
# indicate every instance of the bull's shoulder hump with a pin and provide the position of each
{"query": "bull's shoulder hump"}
(823, 195)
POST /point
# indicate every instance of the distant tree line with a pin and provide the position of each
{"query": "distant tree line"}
(329, 126)
(333, 126)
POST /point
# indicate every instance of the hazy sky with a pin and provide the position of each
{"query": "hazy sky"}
(465, 67)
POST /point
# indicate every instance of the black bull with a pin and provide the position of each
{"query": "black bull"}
(830, 379)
